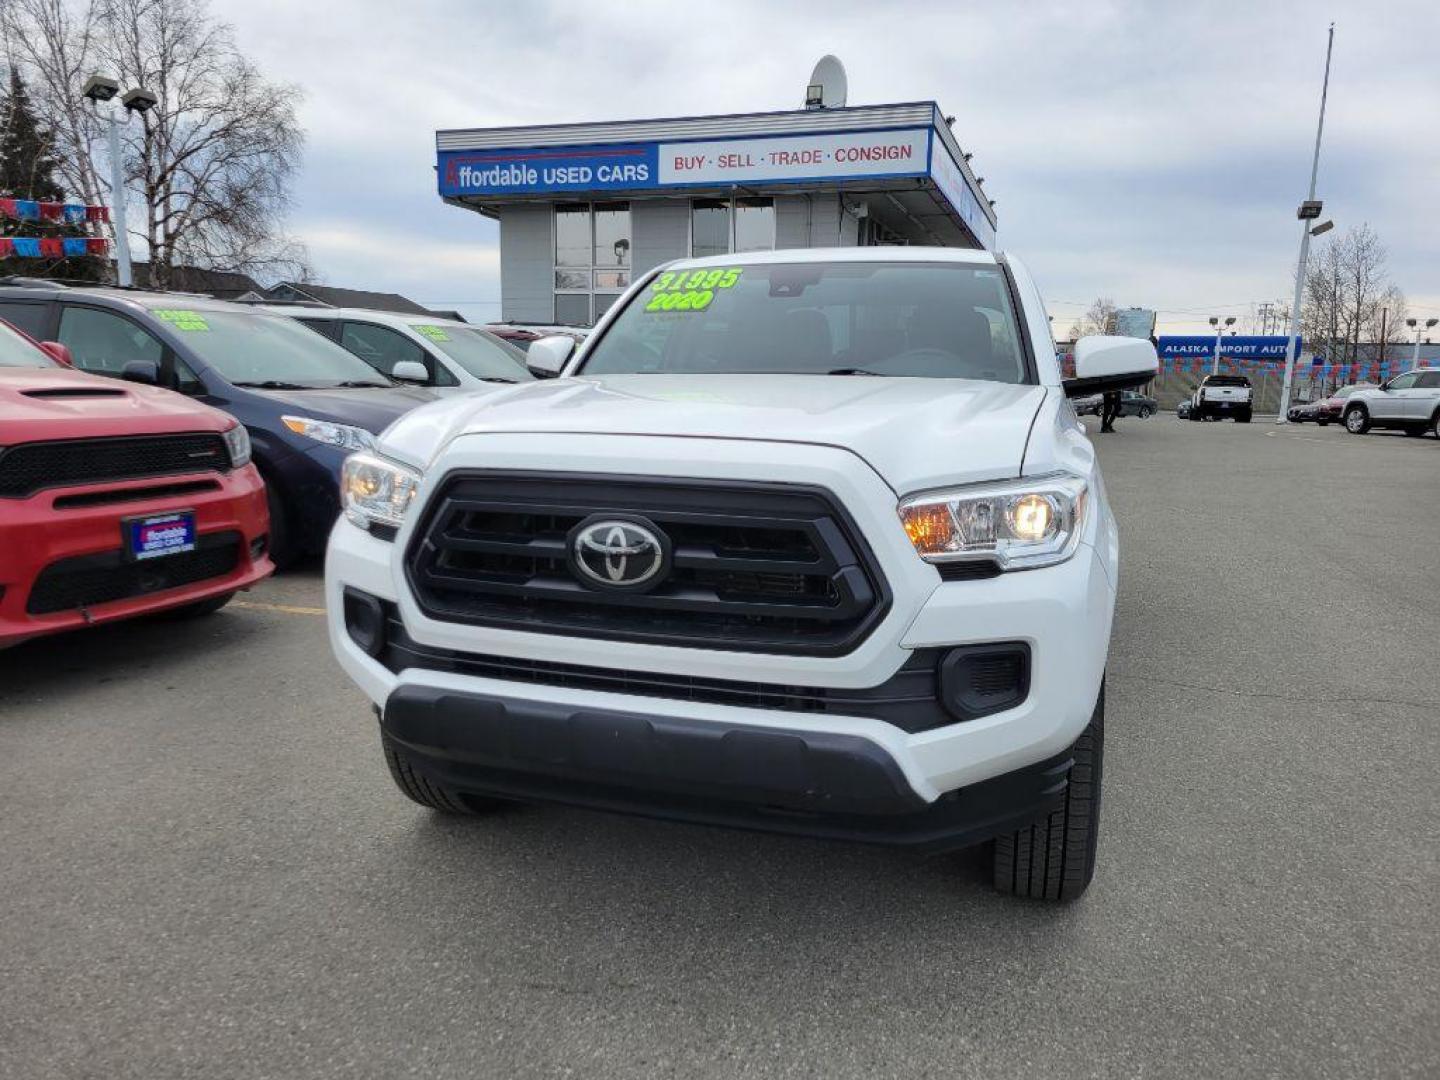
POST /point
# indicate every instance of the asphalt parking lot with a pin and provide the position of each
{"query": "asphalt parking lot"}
(207, 871)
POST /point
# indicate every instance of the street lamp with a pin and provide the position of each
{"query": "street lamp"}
(1415, 325)
(1309, 212)
(100, 90)
(1219, 330)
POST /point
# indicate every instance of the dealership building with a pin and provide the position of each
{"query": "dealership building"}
(584, 207)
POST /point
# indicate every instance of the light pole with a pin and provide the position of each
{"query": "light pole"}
(1414, 324)
(100, 90)
(1309, 211)
(1219, 330)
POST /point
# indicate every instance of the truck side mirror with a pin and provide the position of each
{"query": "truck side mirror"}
(547, 357)
(1104, 363)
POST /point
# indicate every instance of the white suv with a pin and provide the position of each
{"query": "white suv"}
(445, 355)
(1409, 402)
(808, 541)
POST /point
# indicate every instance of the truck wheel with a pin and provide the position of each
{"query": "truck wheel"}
(1145, 412)
(427, 792)
(1242, 418)
(1054, 859)
(1357, 420)
(1435, 425)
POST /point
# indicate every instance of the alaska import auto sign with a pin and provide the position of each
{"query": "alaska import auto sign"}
(1186, 347)
(718, 162)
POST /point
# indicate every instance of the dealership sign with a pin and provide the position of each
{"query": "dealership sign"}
(1180, 347)
(555, 168)
(651, 166)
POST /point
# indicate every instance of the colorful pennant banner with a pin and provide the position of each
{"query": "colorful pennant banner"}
(61, 213)
(51, 247)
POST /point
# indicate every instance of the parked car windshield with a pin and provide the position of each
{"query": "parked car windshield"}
(482, 355)
(16, 351)
(252, 348)
(923, 320)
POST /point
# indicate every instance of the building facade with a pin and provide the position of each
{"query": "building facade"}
(583, 208)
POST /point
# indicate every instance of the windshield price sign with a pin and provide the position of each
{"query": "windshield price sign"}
(691, 290)
(182, 319)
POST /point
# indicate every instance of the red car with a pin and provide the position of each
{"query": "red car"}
(1329, 410)
(116, 499)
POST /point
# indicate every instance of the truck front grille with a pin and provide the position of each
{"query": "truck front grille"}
(32, 467)
(756, 567)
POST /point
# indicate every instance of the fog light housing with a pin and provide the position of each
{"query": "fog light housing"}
(978, 680)
(364, 621)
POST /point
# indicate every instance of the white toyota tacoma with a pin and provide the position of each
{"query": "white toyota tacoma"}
(808, 541)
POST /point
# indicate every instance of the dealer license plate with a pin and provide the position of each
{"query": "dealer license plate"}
(162, 534)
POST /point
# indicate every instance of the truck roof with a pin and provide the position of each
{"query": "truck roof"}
(912, 253)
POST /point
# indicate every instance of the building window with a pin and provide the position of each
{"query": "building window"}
(713, 233)
(592, 259)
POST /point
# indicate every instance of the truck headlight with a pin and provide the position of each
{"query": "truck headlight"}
(376, 491)
(327, 431)
(237, 442)
(1019, 524)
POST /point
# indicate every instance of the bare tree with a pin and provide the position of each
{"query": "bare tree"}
(1349, 297)
(212, 163)
(55, 44)
(1099, 318)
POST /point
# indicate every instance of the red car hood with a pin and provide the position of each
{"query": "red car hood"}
(38, 404)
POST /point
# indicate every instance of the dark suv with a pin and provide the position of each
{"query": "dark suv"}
(306, 402)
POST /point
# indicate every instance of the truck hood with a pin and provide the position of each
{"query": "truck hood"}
(56, 403)
(916, 433)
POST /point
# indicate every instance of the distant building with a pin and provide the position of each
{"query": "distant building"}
(330, 296)
(221, 284)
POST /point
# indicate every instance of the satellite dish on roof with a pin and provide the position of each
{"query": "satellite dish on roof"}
(827, 86)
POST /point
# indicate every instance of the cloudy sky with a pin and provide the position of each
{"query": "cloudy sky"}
(1149, 152)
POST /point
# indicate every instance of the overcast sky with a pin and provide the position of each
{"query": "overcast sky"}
(1153, 153)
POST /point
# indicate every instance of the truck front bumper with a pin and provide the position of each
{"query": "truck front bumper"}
(809, 782)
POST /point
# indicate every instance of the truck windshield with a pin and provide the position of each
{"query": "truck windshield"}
(921, 320)
(16, 351)
(479, 353)
(252, 348)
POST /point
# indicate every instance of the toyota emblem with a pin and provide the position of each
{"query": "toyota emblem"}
(618, 553)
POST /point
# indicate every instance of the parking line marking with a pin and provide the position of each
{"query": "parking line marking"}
(285, 609)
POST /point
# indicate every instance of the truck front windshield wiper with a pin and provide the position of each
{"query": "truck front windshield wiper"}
(351, 384)
(854, 371)
(496, 378)
(272, 384)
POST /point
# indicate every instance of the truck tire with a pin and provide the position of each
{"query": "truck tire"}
(1435, 424)
(1357, 420)
(1242, 418)
(427, 792)
(1054, 859)
(1145, 412)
